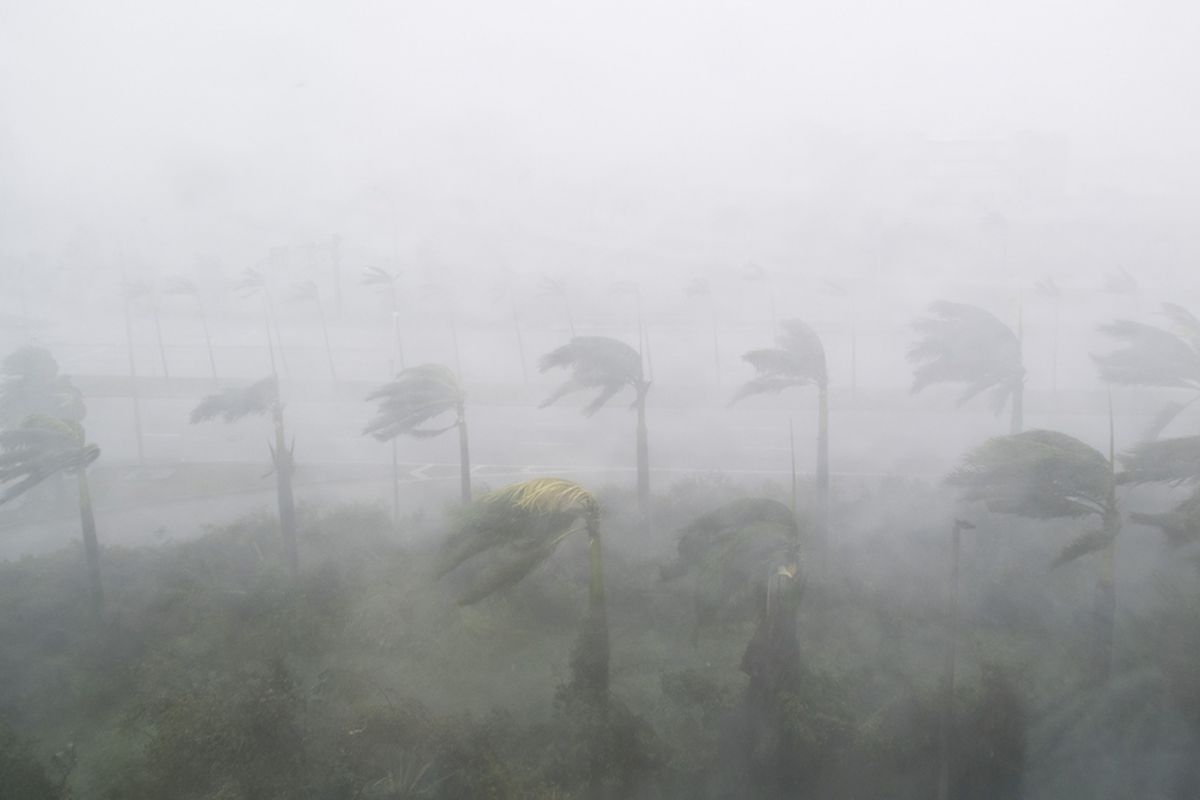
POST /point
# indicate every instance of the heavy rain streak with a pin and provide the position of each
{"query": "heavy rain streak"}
(536, 400)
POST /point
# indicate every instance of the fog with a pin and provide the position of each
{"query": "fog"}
(886, 310)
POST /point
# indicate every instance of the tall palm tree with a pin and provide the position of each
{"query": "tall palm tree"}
(389, 283)
(606, 365)
(1151, 356)
(137, 289)
(308, 292)
(961, 343)
(44, 446)
(1175, 462)
(184, 286)
(512, 531)
(254, 283)
(1043, 474)
(260, 399)
(798, 359)
(419, 396)
(126, 293)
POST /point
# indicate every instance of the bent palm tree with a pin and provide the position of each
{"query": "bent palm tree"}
(1043, 474)
(260, 399)
(517, 528)
(961, 343)
(797, 360)
(44, 446)
(606, 365)
(183, 286)
(419, 396)
(388, 282)
(1153, 356)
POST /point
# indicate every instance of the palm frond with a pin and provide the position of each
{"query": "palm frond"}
(1089, 542)
(305, 291)
(417, 396)
(41, 447)
(134, 288)
(180, 285)
(961, 343)
(1120, 282)
(1181, 525)
(31, 384)
(1048, 288)
(1167, 460)
(711, 533)
(233, 404)
(1164, 417)
(519, 527)
(1040, 474)
(378, 276)
(595, 362)
(1148, 356)
(798, 360)
(1186, 324)
(251, 282)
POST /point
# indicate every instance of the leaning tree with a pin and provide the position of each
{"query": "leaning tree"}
(506, 534)
(260, 399)
(798, 359)
(43, 437)
(1174, 462)
(964, 344)
(1042, 474)
(608, 366)
(409, 405)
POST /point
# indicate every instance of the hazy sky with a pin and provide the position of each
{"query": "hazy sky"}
(173, 128)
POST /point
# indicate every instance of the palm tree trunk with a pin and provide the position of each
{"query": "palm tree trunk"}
(520, 344)
(396, 329)
(464, 456)
(590, 664)
(1018, 407)
(284, 458)
(325, 335)
(212, 361)
(162, 349)
(946, 742)
(712, 308)
(822, 466)
(395, 484)
(643, 456)
(1105, 612)
(133, 387)
(91, 545)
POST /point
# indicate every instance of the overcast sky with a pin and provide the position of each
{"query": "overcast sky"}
(723, 130)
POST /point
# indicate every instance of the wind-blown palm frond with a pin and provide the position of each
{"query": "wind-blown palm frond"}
(31, 384)
(1185, 323)
(799, 360)
(1120, 282)
(378, 276)
(233, 404)
(711, 535)
(1089, 542)
(252, 282)
(519, 527)
(41, 447)
(1181, 525)
(1039, 474)
(1149, 356)
(1167, 460)
(596, 362)
(417, 396)
(961, 343)
(180, 285)
(305, 291)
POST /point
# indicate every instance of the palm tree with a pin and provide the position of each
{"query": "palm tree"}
(388, 282)
(1049, 289)
(30, 383)
(184, 286)
(1043, 474)
(946, 743)
(260, 399)
(797, 360)
(701, 287)
(418, 396)
(514, 530)
(746, 556)
(126, 292)
(308, 292)
(556, 288)
(144, 290)
(961, 343)
(44, 446)
(1153, 356)
(607, 365)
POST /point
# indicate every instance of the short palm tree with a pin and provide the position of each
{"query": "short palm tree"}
(417, 397)
(515, 529)
(798, 359)
(44, 446)
(1153, 356)
(1043, 474)
(608, 366)
(961, 343)
(260, 399)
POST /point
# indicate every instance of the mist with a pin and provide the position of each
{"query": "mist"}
(547, 400)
